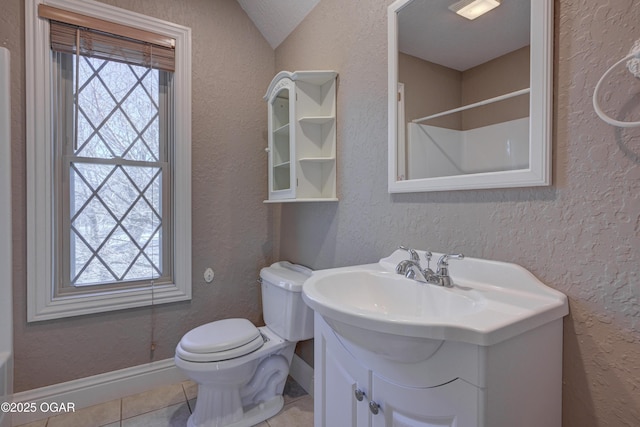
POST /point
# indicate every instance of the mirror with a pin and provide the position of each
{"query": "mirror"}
(469, 100)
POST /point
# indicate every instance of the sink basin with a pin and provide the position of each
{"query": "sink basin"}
(382, 295)
(405, 320)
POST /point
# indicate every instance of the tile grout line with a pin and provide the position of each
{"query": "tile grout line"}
(186, 398)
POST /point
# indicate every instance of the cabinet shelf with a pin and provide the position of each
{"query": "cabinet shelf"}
(318, 159)
(302, 199)
(317, 78)
(317, 120)
(282, 165)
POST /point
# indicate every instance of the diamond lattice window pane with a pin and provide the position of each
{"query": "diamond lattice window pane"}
(141, 222)
(141, 152)
(118, 252)
(141, 176)
(139, 71)
(118, 133)
(118, 193)
(82, 255)
(152, 139)
(94, 223)
(119, 78)
(142, 269)
(154, 248)
(85, 130)
(80, 191)
(154, 193)
(96, 272)
(88, 67)
(95, 147)
(140, 109)
(93, 174)
(95, 101)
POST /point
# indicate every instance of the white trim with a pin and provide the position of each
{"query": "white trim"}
(6, 259)
(540, 103)
(6, 282)
(41, 305)
(401, 172)
(302, 373)
(89, 391)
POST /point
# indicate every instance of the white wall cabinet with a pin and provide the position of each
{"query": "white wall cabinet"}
(302, 136)
(460, 385)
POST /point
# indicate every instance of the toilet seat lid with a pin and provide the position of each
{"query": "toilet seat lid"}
(220, 336)
(220, 355)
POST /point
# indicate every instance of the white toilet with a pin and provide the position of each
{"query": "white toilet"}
(241, 369)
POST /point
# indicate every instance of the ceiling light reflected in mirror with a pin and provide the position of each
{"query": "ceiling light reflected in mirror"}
(471, 9)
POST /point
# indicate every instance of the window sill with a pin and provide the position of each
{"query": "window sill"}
(99, 302)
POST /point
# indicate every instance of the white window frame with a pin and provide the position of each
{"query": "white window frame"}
(41, 303)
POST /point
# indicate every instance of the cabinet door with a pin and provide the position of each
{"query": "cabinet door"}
(342, 408)
(338, 377)
(451, 405)
(282, 170)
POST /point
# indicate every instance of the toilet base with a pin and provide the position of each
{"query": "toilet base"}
(243, 391)
(254, 416)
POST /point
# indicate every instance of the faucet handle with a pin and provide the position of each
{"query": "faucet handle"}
(443, 260)
(412, 253)
(428, 255)
(443, 269)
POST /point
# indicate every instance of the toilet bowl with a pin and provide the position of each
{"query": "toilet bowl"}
(241, 369)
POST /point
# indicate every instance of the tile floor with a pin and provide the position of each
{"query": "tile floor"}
(171, 406)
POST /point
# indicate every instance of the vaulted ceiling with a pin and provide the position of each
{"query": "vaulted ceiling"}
(276, 19)
(427, 29)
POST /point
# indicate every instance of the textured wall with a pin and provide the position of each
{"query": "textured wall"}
(580, 236)
(232, 232)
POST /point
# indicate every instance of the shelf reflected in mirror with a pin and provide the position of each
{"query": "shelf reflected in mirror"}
(469, 101)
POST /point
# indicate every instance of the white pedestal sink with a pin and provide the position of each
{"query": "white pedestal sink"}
(486, 352)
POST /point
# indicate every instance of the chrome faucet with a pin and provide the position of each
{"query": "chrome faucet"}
(413, 254)
(411, 268)
(442, 277)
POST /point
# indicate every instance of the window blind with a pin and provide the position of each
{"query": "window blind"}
(75, 33)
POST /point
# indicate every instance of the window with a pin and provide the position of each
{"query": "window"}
(113, 169)
(108, 161)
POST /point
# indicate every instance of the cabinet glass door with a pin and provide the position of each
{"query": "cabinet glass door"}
(281, 155)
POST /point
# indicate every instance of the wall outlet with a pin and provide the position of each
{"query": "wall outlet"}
(208, 275)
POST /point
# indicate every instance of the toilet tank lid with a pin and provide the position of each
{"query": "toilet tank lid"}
(286, 275)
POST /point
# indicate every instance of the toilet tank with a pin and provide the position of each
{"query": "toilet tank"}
(284, 311)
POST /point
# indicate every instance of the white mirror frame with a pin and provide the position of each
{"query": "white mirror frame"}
(540, 113)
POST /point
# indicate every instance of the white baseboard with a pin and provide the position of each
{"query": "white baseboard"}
(302, 373)
(89, 391)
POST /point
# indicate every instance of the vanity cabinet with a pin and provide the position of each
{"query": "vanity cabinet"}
(354, 395)
(302, 136)
(452, 404)
(460, 384)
